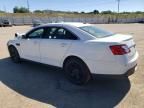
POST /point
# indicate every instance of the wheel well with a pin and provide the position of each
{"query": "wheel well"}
(71, 57)
(11, 46)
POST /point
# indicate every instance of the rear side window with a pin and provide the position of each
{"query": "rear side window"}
(49, 32)
(98, 33)
(58, 33)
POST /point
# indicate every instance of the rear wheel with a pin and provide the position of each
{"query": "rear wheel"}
(77, 71)
(14, 54)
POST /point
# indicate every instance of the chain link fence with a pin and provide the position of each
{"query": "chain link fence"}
(28, 20)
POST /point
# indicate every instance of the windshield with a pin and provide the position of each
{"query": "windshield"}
(98, 33)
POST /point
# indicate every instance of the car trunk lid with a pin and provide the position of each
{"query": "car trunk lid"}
(119, 39)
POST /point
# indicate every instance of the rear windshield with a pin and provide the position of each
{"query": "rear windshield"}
(98, 33)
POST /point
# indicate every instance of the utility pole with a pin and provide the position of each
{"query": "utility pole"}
(28, 5)
(118, 5)
(118, 8)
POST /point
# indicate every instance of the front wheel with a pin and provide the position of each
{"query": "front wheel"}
(14, 54)
(77, 71)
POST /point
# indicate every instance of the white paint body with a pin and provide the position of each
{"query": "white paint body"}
(95, 52)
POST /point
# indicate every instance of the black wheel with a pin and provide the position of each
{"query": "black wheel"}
(77, 71)
(14, 54)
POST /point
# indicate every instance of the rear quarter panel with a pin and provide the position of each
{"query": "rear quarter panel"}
(97, 56)
(92, 50)
(87, 50)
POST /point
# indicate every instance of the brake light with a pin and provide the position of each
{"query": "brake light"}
(119, 49)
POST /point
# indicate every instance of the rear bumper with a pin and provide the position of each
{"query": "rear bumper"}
(117, 76)
(131, 71)
(113, 68)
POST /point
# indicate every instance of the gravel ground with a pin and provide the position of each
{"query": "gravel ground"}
(33, 85)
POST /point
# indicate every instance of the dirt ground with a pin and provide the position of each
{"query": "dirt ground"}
(33, 85)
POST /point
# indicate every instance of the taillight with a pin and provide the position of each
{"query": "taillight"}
(119, 49)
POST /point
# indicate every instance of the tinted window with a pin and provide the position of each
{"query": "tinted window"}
(58, 33)
(36, 33)
(99, 33)
(49, 32)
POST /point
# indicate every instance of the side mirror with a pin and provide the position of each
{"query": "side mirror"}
(16, 35)
(23, 36)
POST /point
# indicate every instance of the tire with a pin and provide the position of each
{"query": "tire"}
(14, 54)
(77, 71)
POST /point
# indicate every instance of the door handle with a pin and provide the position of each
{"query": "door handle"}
(17, 44)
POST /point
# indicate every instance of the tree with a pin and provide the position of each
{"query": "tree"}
(107, 12)
(38, 11)
(96, 12)
(82, 12)
(138, 12)
(2, 11)
(75, 12)
(15, 9)
(126, 12)
(20, 10)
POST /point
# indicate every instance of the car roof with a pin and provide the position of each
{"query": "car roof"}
(76, 24)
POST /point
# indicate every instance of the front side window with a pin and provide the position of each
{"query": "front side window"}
(98, 33)
(36, 33)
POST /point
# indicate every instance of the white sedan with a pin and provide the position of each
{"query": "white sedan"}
(80, 49)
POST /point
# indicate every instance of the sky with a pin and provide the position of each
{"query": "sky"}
(74, 5)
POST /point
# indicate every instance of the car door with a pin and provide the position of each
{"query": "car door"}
(30, 45)
(54, 44)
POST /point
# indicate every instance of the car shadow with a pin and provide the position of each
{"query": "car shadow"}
(47, 84)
